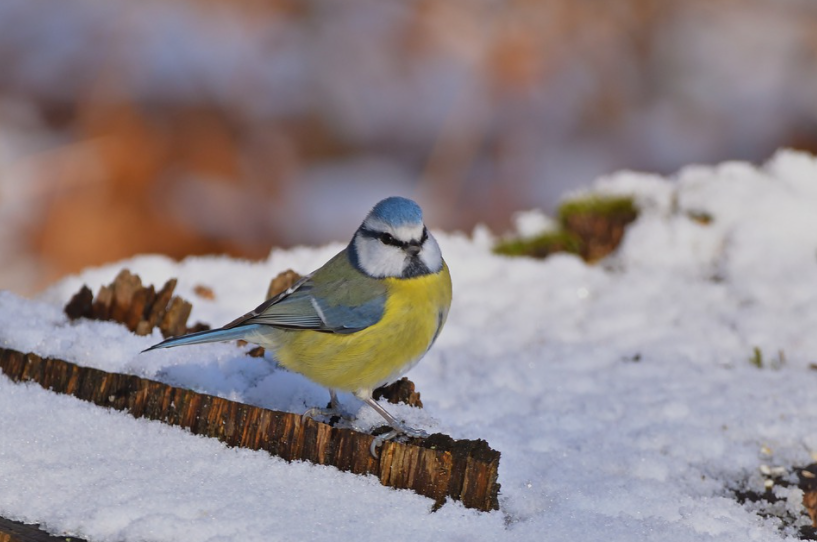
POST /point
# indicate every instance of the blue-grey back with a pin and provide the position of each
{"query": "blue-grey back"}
(336, 298)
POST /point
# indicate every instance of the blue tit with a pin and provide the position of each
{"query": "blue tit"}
(363, 319)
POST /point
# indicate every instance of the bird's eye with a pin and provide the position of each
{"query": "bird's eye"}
(387, 239)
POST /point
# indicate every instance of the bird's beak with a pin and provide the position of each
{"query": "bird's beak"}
(413, 250)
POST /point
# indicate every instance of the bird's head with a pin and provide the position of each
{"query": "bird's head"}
(394, 242)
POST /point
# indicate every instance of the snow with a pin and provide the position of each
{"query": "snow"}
(622, 395)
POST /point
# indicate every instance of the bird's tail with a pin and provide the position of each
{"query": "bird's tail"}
(211, 336)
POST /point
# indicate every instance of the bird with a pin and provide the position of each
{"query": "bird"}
(360, 321)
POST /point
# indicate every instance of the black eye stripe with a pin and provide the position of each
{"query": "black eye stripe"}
(388, 239)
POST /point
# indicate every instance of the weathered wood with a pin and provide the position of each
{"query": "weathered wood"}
(174, 322)
(437, 467)
(14, 531)
(401, 391)
(157, 312)
(81, 305)
(807, 481)
(124, 289)
(138, 307)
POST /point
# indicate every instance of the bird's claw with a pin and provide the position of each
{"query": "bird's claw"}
(402, 430)
(332, 410)
(329, 413)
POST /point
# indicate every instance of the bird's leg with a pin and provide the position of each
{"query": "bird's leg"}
(398, 427)
(334, 404)
(334, 410)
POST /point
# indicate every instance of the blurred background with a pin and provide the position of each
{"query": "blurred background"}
(214, 126)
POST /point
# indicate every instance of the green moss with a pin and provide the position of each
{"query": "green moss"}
(591, 227)
(701, 217)
(599, 221)
(541, 246)
(598, 207)
(757, 358)
(775, 362)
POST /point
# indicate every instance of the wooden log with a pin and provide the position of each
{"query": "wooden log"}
(437, 467)
(81, 305)
(174, 322)
(125, 287)
(401, 391)
(807, 481)
(138, 307)
(14, 531)
(157, 312)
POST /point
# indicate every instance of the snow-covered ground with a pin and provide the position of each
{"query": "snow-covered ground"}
(622, 396)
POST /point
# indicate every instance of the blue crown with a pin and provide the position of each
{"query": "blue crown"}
(398, 211)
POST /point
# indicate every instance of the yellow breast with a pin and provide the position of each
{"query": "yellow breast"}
(415, 311)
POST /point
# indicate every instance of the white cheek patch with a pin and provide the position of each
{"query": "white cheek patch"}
(431, 255)
(379, 260)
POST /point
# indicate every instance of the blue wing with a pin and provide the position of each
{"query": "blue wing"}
(210, 336)
(336, 298)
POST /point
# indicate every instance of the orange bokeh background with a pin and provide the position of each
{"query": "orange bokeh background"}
(182, 127)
